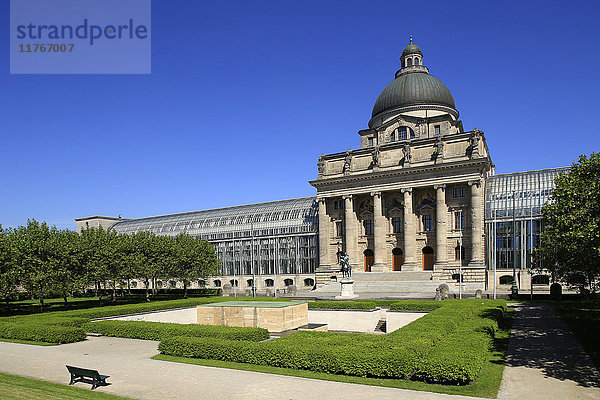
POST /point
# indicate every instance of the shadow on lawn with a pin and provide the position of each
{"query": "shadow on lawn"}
(541, 340)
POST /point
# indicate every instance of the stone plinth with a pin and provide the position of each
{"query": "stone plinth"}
(270, 315)
(347, 292)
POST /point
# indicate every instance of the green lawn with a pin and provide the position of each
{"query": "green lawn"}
(583, 317)
(20, 388)
(24, 307)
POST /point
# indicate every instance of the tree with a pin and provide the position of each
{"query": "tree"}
(193, 259)
(9, 274)
(67, 266)
(570, 242)
(34, 249)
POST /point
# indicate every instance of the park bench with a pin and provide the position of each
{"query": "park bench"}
(80, 375)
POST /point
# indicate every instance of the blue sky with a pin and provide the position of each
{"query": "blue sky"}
(244, 96)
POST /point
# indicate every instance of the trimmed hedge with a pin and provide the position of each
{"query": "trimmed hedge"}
(413, 305)
(396, 305)
(159, 330)
(342, 305)
(47, 320)
(125, 309)
(449, 345)
(41, 332)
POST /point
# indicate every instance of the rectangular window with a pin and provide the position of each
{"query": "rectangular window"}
(368, 223)
(402, 133)
(437, 129)
(339, 228)
(370, 141)
(459, 192)
(459, 220)
(427, 223)
(397, 224)
(336, 205)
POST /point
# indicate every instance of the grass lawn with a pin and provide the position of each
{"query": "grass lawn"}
(18, 387)
(487, 385)
(583, 317)
(24, 307)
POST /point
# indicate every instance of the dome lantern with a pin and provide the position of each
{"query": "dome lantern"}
(411, 55)
(414, 91)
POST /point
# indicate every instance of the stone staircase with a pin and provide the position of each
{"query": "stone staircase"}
(400, 284)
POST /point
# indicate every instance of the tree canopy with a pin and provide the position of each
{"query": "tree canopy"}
(570, 242)
(45, 261)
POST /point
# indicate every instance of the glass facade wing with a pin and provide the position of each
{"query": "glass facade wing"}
(263, 219)
(523, 193)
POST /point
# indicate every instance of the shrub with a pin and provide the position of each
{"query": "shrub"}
(342, 305)
(48, 319)
(125, 309)
(449, 345)
(300, 356)
(41, 332)
(400, 305)
(413, 305)
(159, 330)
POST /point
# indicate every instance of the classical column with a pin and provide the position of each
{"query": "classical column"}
(350, 228)
(379, 233)
(324, 235)
(476, 224)
(441, 215)
(410, 233)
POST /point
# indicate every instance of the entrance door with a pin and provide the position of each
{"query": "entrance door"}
(369, 259)
(427, 258)
(397, 259)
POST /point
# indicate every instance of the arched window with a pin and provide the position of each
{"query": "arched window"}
(172, 284)
(428, 258)
(506, 280)
(250, 282)
(159, 284)
(416, 61)
(397, 259)
(233, 282)
(309, 282)
(217, 283)
(540, 280)
(369, 259)
(288, 282)
(269, 283)
(409, 61)
(201, 283)
(459, 253)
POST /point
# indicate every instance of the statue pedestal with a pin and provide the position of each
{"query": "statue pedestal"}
(347, 285)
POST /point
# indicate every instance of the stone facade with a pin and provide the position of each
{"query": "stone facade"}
(95, 222)
(411, 194)
(281, 317)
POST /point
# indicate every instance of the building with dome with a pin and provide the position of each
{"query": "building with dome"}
(418, 199)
